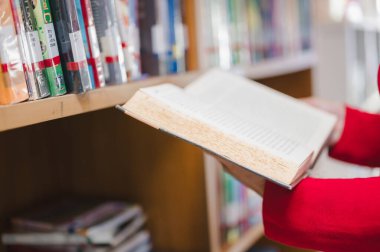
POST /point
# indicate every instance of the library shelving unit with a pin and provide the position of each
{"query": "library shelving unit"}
(81, 145)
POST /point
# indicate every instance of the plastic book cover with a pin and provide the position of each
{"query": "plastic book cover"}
(105, 18)
(92, 45)
(49, 46)
(35, 51)
(129, 33)
(34, 66)
(134, 39)
(13, 87)
(71, 47)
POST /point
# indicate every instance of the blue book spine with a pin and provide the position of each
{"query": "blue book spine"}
(82, 28)
(172, 61)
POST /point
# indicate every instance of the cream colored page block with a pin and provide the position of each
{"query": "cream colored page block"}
(183, 124)
(264, 107)
(242, 128)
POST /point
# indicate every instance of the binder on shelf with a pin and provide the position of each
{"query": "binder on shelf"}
(90, 42)
(13, 87)
(71, 47)
(49, 46)
(107, 31)
(30, 48)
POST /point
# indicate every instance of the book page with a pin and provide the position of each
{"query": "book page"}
(231, 123)
(280, 121)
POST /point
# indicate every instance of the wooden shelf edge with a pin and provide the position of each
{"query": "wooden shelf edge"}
(246, 241)
(33, 112)
(278, 66)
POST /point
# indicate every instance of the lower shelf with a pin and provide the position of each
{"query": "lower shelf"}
(246, 241)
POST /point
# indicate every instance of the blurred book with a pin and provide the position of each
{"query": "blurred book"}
(163, 37)
(245, 32)
(77, 225)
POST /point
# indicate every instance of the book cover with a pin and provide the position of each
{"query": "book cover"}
(92, 49)
(13, 88)
(34, 67)
(71, 47)
(105, 18)
(49, 46)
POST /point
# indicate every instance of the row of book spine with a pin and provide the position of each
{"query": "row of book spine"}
(248, 31)
(50, 48)
(240, 209)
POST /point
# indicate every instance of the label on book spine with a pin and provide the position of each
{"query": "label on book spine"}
(35, 48)
(52, 47)
(93, 41)
(76, 40)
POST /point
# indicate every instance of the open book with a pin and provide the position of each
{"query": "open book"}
(251, 125)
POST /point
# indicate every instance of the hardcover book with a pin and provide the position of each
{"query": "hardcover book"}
(253, 126)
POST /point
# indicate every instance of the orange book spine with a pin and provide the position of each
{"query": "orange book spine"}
(13, 88)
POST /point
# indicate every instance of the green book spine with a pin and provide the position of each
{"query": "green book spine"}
(49, 47)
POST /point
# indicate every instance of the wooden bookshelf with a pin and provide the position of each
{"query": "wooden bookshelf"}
(32, 112)
(94, 150)
(278, 66)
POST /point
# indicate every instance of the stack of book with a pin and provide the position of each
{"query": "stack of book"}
(248, 31)
(80, 225)
(240, 208)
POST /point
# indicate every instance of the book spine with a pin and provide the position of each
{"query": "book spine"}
(85, 41)
(49, 46)
(70, 43)
(123, 24)
(134, 39)
(94, 58)
(107, 30)
(34, 45)
(13, 87)
(23, 225)
(176, 52)
(34, 66)
(93, 216)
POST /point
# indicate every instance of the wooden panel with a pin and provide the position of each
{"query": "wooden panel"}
(30, 168)
(279, 66)
(118, 157)
(297, 84)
